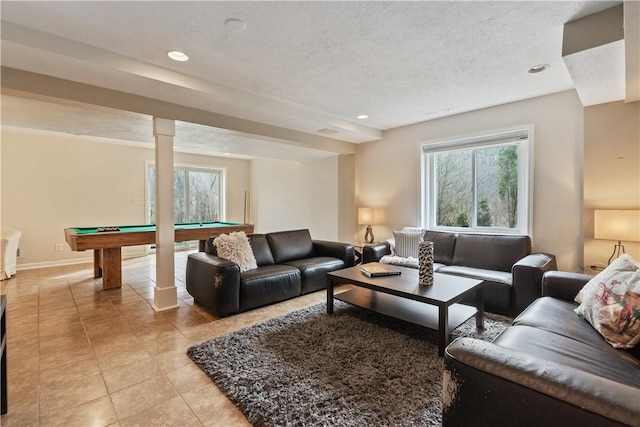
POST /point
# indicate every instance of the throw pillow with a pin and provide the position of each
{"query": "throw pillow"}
(235, 247)
(406, 243)
(611, 302)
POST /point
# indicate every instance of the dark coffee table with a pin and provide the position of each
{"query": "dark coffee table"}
(434, 307)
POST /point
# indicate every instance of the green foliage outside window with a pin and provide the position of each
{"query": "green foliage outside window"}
(480, 183)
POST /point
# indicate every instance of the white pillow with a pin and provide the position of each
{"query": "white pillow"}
(235, 247)
(392, 242)
(406, 243)
(414, 229)
(611, 302)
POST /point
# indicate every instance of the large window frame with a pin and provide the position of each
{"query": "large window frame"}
(520, 137)
(187, 168)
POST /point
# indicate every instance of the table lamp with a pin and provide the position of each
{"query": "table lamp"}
(619, 225)
(369, 217)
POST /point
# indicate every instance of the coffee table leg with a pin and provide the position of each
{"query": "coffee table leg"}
(480, 307)
(443, 328)
(329, 295)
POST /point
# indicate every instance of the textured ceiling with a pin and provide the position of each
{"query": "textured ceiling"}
(298, 65)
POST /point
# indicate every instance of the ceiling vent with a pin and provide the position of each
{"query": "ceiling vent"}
(328, 131)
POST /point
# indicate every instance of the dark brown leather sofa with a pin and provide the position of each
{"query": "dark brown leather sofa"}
(512, 275)
(550, 368)
(290, 264)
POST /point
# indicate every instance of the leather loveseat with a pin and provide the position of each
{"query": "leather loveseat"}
(289, 263)
(550, 368)
(512, 275)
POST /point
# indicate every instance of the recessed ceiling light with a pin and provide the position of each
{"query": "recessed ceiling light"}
(235, 25)
(362, 117)
(538, 68)
(227, 154)
(177, 55)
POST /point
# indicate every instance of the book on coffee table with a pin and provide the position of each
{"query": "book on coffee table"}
(378, 271)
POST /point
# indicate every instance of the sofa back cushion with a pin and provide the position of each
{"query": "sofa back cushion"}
(290, 245)
(443, 245)
(209, 247)
(261, 249)
(491, 252)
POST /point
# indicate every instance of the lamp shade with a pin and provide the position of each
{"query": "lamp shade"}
(370, 216)
(620, 225)
(365, 216)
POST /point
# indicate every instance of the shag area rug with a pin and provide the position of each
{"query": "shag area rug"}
(350, 368)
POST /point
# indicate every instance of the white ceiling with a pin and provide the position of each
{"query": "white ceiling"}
(298, 65)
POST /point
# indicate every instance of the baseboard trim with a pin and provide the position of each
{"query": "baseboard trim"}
(74, 261)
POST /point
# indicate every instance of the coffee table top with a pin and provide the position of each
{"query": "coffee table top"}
(445, 288)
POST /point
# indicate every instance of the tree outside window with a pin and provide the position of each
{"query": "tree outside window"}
(477, 185)
(197, 194)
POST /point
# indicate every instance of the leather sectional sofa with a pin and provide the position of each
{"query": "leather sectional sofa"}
(512, 275)
(550, 368)
(289, 263)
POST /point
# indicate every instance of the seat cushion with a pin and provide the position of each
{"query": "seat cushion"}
(497, 287)
(314, 271)
(267, 285)
(478, 273)
(603, 361)
(558, 316)
(290, 245)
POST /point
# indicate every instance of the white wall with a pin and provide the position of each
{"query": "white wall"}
(388, 171)
(322, 194)
(51, 182)
(611, 171)
(288, 195)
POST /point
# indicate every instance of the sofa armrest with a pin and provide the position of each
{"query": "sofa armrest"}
(344, 251)
(527, 279)
(563, 284)
(485, 384)
(214, 282)
(373, 253)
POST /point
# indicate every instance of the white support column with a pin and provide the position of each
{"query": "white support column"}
(165, 292)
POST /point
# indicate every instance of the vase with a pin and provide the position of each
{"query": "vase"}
(425, 263)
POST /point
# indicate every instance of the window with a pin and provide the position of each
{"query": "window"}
(477, 184)
(198, 194)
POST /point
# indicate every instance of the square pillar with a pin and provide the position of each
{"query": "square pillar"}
(165, 292)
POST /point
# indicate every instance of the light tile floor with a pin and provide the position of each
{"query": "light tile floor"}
(82, 356)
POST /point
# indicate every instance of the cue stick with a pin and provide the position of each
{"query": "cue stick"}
(245, 208)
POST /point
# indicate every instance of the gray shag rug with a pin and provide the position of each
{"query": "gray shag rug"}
(351, 368)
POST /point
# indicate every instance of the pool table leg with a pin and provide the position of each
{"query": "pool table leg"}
(97, 263)
(108, 265)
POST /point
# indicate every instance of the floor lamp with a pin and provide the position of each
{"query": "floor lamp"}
(617, 225)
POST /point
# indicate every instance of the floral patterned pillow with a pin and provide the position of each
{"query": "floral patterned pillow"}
(611, 302)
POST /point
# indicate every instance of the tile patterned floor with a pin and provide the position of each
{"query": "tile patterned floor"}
(81, 356)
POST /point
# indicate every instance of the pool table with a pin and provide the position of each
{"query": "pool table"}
(107, 245)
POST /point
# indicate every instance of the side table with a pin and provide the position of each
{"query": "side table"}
(358, 247)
